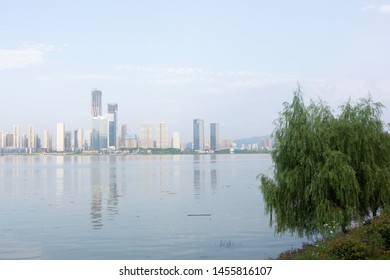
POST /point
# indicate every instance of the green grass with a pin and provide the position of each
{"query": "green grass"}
(369, 241)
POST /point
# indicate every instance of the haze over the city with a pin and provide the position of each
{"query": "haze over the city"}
(232, 62)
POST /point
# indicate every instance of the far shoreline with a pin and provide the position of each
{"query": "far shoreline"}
(134, 153)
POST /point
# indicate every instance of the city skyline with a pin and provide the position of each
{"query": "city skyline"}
(104, 131)
(160, 62)
(96, 105)
(150, 136)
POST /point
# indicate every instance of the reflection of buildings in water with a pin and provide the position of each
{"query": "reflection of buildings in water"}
(59, 179)
(96, 195)
(103, 184)
(202, 168)
(163, 177)
(214, 179)
(14, 167)
(146, 177)
(214, 172)
(176, 175)
(199, 176)
(97, 186)
(112, 199)
(153, 173)
(96, 207)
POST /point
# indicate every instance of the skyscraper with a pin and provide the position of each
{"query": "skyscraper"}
(68, 141)
(198, 143)
(46, 142)
(78, 139)
(100, 132)
(113, 124)
(9, 140)
(146, 135)
(87, 143)
(214, 136)
(176, 140)
(2, 139)
(162, 138)
(96, 103)
(24, 141)
(123, 134)
(60, 137)
(16, 136)
(31, 137)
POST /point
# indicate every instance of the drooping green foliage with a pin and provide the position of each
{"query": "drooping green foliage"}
(327, 168)
(361, 136)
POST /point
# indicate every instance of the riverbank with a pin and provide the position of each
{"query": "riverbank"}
(369, 241)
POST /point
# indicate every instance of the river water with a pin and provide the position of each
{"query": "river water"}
(136, 207)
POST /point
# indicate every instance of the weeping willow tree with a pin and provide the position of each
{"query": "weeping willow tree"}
(362, 137)
(321, 174)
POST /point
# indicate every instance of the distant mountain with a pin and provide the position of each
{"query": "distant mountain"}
(253, 140)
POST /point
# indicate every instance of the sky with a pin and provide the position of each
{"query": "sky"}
(234, 61)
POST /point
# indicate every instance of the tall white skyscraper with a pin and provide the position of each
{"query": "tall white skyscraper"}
(47, 141)
(79, 139)
(31, 137)
(2, 139)
(162, 138)
(176, 140)
(16, 136)
(87, 144)
(60, 137)
(146, 136)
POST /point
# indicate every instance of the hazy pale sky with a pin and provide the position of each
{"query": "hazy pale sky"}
(232, 62)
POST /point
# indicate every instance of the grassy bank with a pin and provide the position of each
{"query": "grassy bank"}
(370, 241)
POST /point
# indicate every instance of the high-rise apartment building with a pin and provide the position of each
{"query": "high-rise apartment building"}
(113, 124)
(131, 141)
(226, 144)
(60, 137)
(87, 144)
(267, 143)
(96, 103)
(31, 137)
(16, 136)
(24, 140)
(9, 140)
(123, 135)
(78, 139)
(176, 140)
(198, 135)
(162, 138)
(100, 133)
(146, 136)
(2, 139)
(68, 141)
(46, 141)
(214, 136)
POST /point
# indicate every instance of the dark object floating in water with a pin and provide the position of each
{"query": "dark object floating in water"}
(199, 215)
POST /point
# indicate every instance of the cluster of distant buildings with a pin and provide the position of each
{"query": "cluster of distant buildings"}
(105, 135)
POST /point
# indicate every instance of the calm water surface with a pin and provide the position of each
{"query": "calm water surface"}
(136, 207)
